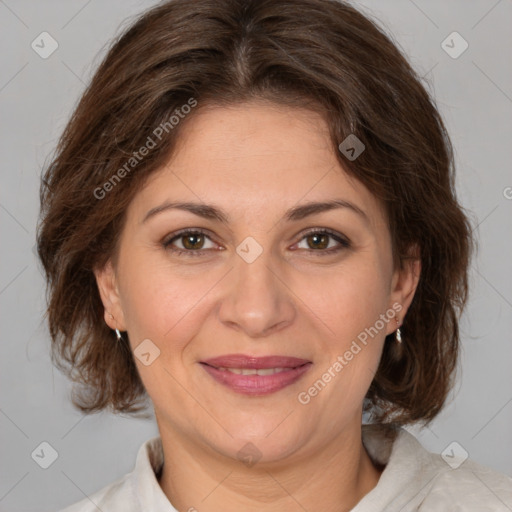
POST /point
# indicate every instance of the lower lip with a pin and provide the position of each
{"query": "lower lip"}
(257, 384)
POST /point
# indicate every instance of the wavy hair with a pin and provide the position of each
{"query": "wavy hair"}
(323, 54)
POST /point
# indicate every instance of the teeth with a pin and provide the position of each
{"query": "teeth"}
(254, 371)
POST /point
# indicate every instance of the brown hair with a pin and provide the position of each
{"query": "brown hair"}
(320, 53)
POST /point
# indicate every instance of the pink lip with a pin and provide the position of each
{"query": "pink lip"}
(295, 368)
(252, 362)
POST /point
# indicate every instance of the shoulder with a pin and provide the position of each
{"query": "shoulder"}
(127, 493)
(446, 483)
(468, 487)
(113, 497)
(416, 480)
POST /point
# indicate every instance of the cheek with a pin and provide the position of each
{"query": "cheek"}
(158, 302)
(349, 304)
(167, 309)
(348, 299)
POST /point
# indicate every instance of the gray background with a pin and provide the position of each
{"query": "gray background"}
(474, 94)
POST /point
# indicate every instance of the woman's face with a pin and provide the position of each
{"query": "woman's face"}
(259, 285)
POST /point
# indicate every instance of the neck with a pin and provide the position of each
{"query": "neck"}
(333, 478)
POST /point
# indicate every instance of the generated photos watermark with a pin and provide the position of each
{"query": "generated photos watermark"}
(151, 143)
(304, 397)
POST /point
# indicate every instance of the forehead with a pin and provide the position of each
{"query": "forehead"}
(254, 158)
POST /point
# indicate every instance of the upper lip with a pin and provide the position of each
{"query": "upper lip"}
(253, 362)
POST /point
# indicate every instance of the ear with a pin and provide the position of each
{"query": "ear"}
(109, 292)
(403, 287)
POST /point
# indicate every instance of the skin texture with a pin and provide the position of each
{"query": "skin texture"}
(255, 161)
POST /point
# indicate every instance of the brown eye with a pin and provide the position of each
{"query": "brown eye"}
(188, 242)
(193, 241)
(323, 242)
(318, 241)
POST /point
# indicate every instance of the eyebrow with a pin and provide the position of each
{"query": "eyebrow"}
(296, 213)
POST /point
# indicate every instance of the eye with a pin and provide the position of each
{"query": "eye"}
(190, 242)
(194, 242)
(323, 241)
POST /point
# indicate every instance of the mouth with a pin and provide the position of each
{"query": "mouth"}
(251, 375)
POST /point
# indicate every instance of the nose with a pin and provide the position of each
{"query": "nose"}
(257, 300)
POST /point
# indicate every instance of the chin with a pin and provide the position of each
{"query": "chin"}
(264, 444)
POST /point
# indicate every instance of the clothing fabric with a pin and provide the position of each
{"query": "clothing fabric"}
(413, 480)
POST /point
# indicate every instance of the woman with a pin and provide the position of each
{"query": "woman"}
(251, 220)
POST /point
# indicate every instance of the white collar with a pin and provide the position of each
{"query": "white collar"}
(406, 454)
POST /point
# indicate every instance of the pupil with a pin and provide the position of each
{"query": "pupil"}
(322, 245)
(191, 241)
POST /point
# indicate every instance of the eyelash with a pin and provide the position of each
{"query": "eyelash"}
(344, 243)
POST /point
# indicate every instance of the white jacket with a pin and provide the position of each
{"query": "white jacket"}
(414, 480)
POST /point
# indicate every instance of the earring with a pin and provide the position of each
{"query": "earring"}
(398, 334)
(118, 334)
